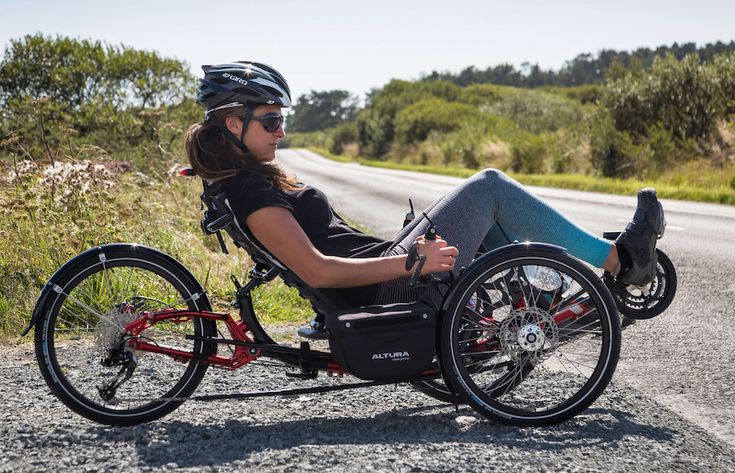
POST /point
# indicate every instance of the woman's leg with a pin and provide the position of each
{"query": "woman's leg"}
(466, 215)
(490, 200)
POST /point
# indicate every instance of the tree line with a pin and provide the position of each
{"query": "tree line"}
(584, 69)
(64, 97)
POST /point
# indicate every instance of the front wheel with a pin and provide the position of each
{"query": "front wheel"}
(83, 350)
(530, 337)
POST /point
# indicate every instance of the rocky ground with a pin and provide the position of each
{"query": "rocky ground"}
(388, 428)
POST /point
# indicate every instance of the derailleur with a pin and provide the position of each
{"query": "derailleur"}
(127, 361)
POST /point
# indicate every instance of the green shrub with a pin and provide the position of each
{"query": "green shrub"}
(663, 146)
(317, 139)
(586, 94)
(683, 96)
(462, 148)
(415, 122)
(528, 155)
(724, 66)
(375, 124)
(538, 111)
(341, 135)
(483, 94)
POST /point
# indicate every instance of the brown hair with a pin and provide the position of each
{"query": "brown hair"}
(214, 158)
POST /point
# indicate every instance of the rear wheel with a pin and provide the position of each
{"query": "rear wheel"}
(83, 350)
(541, 343)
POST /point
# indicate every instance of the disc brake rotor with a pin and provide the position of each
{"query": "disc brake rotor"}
(528, 332)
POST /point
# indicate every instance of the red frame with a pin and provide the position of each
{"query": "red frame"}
(238, 331)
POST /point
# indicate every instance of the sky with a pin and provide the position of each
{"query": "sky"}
(359, 45)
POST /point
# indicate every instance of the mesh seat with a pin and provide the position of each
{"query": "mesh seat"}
(220, 216)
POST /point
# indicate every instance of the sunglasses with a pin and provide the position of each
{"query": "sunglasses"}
(271, 121)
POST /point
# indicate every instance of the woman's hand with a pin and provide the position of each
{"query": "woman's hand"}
(439, 256)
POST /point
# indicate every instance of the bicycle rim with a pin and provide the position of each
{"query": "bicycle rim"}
(515, 358)
(83, 346)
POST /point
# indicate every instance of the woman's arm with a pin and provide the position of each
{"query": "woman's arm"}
(282, 235)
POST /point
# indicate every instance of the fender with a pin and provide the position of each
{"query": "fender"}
(48, 289)
(497, 253)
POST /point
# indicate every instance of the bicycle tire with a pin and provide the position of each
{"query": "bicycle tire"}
(80, 330)
(524, 382)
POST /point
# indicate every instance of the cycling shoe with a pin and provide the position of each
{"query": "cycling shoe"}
(639, 239)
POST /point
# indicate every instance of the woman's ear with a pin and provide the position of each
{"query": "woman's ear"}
(234, 125)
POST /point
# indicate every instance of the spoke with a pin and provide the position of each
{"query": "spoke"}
(92, 311)
(562, 355)
(476, 324)
(474, 339)
(70, 323)
(126, 290)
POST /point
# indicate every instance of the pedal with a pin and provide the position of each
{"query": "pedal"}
(307, 331)
(314, 330)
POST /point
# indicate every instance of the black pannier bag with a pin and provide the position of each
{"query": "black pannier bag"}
(383, 341)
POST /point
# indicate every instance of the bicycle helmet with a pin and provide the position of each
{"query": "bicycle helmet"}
(241, 83)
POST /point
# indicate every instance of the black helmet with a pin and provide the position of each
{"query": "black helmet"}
(242, 83)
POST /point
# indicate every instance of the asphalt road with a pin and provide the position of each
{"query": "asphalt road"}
(683, 359)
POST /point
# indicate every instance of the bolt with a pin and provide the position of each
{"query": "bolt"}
(348, 325)
(253, 351)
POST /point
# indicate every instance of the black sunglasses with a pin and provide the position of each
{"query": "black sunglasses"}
(270, 121)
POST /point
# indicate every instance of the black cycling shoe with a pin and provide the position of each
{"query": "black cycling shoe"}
(639, 239)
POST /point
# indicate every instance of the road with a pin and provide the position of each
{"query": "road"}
(684, 359)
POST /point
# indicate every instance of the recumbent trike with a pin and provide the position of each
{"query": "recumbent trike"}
(526, 335)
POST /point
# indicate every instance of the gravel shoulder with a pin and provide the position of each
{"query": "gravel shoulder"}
(390, 428)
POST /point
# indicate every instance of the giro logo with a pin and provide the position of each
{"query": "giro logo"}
(227, 75)
(395, 356)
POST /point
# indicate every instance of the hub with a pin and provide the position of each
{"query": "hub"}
(531, 337)
(528, 331)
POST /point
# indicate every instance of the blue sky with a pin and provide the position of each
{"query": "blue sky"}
(357, 45)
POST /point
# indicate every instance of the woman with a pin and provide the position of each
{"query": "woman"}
(236, 143)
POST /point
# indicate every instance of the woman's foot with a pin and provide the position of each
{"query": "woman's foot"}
(637, 244)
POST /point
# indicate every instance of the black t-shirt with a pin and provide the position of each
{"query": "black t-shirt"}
(328, 232)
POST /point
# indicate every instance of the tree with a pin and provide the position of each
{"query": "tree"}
(62, 92)
(76, 73)
(322, 110)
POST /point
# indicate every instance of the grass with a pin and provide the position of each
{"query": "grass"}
(43, 224)
(697, 181)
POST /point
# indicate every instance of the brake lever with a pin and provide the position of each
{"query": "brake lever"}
(410, 216)
(413, 255)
